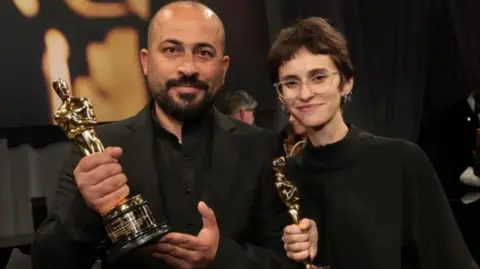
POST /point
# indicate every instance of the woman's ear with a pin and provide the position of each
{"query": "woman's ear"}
(347, 87)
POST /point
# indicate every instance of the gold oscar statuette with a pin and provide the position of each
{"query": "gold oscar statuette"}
(130, 223)
(290, 196)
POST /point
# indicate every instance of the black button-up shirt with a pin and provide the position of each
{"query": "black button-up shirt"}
(185, 167)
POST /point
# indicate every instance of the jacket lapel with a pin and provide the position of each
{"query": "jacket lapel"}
(225, 155)
(138, 163)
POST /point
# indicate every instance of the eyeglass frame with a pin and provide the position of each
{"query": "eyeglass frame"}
(326, 76)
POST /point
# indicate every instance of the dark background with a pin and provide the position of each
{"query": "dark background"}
(413, 59)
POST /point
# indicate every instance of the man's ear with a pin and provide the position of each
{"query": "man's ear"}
(225, 65)
(144, 60)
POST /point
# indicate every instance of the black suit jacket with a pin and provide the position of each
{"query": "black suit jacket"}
(448, 139)
(240, 189)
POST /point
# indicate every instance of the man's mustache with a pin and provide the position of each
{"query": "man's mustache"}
(185, 81)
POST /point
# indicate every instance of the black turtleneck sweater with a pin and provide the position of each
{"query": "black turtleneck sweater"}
(378, 204)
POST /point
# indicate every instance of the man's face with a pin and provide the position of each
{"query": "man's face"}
(185, 65)
(246, 115)
(319, 96)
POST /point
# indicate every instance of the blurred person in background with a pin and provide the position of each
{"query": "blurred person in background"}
(240, 105)
(450, 139)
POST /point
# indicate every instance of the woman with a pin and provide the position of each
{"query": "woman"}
(368, 201)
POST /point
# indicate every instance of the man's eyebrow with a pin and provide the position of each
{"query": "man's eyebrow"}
(205, 44)
(173, 41)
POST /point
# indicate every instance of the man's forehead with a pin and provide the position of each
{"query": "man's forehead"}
(197, 12)
(203, 16)
(185, 20)
(177, 24)
(188, 32)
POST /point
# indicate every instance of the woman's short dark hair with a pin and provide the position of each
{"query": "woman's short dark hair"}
(317, 36)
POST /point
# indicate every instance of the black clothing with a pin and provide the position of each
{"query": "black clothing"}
(378, 205)
(449, 140)
(238, 184)
(186, 163)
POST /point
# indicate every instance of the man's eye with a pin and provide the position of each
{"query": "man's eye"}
(206, 53)
(170, 50)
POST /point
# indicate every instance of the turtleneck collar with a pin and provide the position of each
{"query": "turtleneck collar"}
(334, 155)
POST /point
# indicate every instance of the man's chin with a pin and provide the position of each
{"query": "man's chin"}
(187, 104)
(184, 113)
(184, 108)
(188, 98)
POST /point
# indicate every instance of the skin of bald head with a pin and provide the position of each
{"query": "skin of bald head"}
(184, 3)
(185, 43)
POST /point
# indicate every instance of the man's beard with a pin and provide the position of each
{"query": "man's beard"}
(184, 112)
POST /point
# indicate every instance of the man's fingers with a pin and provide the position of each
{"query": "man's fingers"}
(178, 252)
(313, 233)
(173, 261)
(115, 152)
(175, 255)
(293, 229)
(298, 256)
(295, 238)
(182, 240)
(208, 216)
(304, 224)
(163, 248)
(109, 185)
(91, 162)
(109, 201)
(298, 247)
(313, 251)
(97, 176)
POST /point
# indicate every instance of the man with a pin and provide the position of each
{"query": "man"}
(240, 105)
(207, 175)
(368, 201)
(449, 139)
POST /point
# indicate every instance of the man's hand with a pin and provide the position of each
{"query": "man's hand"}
(301, 241)
(100, 179)
(187, 251)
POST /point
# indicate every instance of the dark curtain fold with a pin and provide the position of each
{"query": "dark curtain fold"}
(388, 42)
(412, 58)
(454, 57)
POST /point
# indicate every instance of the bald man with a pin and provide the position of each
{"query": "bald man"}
(206, 174)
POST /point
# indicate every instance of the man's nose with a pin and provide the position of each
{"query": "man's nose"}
(188, 66)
